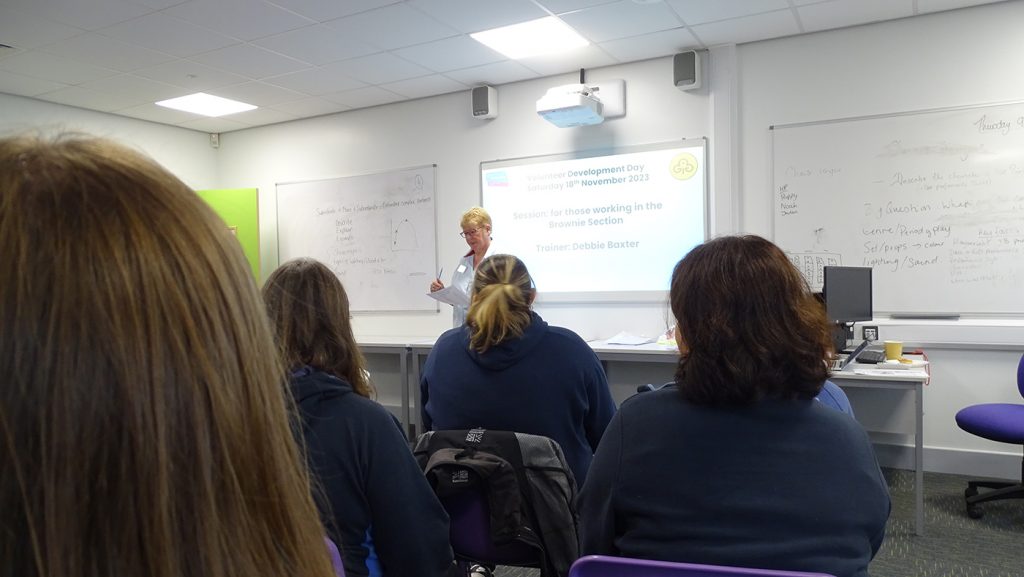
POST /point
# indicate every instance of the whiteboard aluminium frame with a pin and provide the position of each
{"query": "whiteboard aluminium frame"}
(608, 297)
(277, 226)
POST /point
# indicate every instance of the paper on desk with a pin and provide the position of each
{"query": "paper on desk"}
(625, 338)
(890, 372)
(451, 295)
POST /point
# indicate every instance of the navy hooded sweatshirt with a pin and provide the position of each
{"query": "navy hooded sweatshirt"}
(375, 502)
(547, 382)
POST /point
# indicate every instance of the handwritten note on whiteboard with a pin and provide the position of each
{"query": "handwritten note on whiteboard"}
(375, 231)
(933, 201)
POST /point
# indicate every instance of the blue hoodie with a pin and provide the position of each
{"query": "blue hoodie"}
(375, 502)
(546, 382)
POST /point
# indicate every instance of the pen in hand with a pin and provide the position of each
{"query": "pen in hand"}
(437, 284)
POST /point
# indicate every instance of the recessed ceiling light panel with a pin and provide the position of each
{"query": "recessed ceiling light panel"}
(534, 38)
(206, 104)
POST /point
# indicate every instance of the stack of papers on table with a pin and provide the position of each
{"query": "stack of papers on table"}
(625, 338)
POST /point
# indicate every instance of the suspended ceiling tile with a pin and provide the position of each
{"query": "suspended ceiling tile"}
(313, 106)
(22, 85)
(136, 89)
(90, 99)
(450, 54)
(245, 19)
(320, 80)
(324, 10)
(104, 51)
(562, 6)
(621, 20)
(586, 57)
(364, 97)
(840, 13)
(89, 15)
(154, 113)
(701, 12)
(251, 61)
(54, 68)
(167, 34)
(493, 74)
(258, 93)
(393, 26)
(23, 30)
(651, 45)
(747, 29)
(191, 75)
(425, 86)
(475, 15)
(380, 68)
(317, 44)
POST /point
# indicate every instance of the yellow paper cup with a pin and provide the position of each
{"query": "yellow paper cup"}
(893, 350)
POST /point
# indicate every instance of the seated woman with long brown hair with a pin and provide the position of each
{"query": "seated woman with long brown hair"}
(375, 501)
(143, 426)
(736, 463)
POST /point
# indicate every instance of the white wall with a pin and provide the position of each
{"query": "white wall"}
(440, 130)
(186, 153)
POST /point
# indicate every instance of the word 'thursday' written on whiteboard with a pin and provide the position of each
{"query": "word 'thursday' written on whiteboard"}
(375, 231)
(933, 201)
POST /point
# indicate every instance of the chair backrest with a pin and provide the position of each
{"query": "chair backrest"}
(471, 533)
(1020, 376)
(510, 497)
(602, 566)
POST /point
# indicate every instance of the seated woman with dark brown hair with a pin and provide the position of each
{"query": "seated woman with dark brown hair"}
(736, 463)
(375, 501)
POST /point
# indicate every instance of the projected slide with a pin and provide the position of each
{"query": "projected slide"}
(600, 227)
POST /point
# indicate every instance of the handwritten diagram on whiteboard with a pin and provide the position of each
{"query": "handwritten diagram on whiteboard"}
(375, 231)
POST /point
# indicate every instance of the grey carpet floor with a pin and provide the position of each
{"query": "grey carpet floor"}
(953, 545)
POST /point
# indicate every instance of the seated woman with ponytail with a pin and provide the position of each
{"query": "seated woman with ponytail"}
(506, 369)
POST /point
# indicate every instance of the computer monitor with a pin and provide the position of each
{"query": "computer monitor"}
(847, 295)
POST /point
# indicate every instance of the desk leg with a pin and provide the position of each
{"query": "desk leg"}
(414, 361)
(919, 461)
(403, 368)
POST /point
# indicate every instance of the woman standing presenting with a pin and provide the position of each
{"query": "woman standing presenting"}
(476, 229)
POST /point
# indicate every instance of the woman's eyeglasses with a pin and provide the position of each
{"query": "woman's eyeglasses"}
(466, 233)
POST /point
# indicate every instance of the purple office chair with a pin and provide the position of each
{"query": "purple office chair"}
(602, 566)
(1003, 422)
(471, 535)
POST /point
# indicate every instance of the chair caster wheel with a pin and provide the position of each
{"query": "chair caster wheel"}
(974, 512)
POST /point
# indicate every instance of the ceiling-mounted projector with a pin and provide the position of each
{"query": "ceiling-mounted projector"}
(570, 105)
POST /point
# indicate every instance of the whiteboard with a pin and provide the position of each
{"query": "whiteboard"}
(933, 201)
(375, 231)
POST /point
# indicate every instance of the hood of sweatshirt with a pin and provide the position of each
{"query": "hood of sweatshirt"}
(311, 385)
(511, 351)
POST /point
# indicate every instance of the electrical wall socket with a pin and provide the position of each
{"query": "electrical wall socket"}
(870, 333)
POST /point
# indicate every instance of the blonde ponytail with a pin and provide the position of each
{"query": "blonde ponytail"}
(500, 309)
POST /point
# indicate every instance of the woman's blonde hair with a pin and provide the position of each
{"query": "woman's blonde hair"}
(309, 313)
(476, 217)
(143, 423)
(500, 309)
